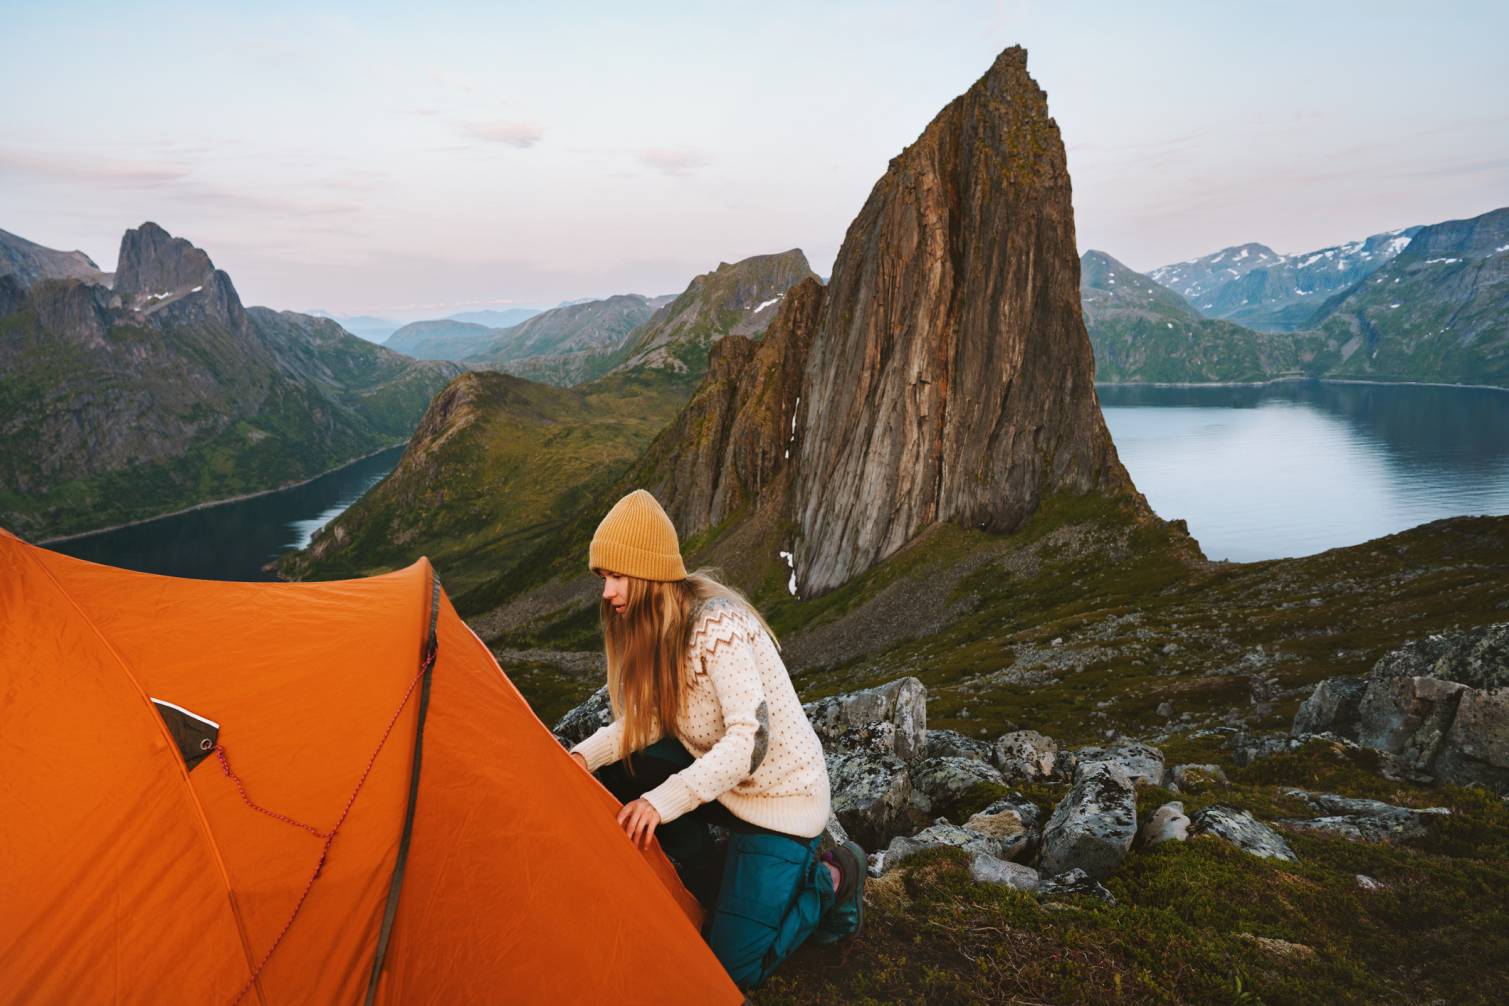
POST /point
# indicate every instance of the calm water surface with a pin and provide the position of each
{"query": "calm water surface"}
(1293, 469)
(233, 541)
(1259, 473)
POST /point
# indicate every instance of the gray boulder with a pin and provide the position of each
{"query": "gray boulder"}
(1142, 763)
(584, 720)
(1168, 824)
(939, 835)
(951, 743)
(1362, 820)
(1332, 707)
(946, 779)
(1070, 883)
(984, 869)
(1093, 825)
(1242, 830)
(1439, 707)
(1409, 717)
(1026, 756)
(1478, 658)
(1477, 747)
(871, 793)
(888, 719)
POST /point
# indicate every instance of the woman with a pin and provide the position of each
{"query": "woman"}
(709, 730)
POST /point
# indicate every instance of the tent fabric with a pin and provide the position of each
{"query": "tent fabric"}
(130, 877)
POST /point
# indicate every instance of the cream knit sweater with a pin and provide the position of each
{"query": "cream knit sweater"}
(755, 751)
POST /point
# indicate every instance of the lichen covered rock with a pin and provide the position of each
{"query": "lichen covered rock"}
(1093, 825)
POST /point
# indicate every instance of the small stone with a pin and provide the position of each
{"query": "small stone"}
(1073, 882)
(1282, 948)
(1008, 828)
(985, 869)
(1165, 709)
(1168, 824)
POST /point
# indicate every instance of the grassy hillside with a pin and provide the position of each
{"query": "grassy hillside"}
(495, 466)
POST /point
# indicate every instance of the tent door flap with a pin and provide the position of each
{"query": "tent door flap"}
(195, 735)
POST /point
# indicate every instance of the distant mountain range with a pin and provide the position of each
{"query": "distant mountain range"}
(1255, 286)
(582, 340)
(570, 344)
(1426, 303)
(124, 400)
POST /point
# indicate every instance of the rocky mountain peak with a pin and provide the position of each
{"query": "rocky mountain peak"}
(736, 299)
(28, 263)
(951, 377)
(154, 262)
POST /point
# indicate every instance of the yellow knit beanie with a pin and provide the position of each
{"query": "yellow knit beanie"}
(637, 539)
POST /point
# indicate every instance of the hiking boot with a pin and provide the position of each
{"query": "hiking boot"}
(847, 912)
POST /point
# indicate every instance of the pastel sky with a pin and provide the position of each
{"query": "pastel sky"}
(413, 160)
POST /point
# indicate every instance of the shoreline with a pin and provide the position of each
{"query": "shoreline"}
(1289, 380)
(220, 502)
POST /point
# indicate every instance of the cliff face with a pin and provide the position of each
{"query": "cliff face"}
(951, 377)
(732, 439)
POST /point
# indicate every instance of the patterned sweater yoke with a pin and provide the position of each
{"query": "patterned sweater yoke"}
(756, 752)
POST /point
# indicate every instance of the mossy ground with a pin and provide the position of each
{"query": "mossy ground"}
(1139, 619)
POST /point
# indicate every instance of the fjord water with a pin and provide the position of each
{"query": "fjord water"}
(1259, 473)
(233, 541)
(1296, 468)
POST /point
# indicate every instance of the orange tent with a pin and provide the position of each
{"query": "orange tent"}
(302, 793)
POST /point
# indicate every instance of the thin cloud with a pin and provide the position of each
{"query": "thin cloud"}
(675, 163)
(112, 172)
(516, 134)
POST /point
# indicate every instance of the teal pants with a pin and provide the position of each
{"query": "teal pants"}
(767, 894)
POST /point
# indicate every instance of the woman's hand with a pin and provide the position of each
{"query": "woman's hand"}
(639, 818)
(580, 761)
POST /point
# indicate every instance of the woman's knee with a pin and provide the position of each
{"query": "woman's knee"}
(768, 904)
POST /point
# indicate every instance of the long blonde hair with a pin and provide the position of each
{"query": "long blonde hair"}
(646, 649)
